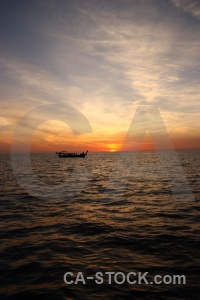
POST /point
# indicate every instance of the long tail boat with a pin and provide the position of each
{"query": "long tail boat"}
(65, 154)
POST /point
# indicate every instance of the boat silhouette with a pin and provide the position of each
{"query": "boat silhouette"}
(65, 154)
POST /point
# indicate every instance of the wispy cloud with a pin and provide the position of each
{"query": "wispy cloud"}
(189, 6)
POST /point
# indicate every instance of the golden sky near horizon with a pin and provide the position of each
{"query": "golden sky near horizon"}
(105, 59)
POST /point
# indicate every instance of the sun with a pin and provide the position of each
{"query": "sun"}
(112, 148)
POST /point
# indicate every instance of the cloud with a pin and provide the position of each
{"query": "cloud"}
(190, 6)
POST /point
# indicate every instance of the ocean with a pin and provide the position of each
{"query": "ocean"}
(107, 212)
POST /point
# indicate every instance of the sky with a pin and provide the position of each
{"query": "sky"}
(104, 59)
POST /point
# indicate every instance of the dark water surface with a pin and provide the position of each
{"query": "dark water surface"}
(98, 221)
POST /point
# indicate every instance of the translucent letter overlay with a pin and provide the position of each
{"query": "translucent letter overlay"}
(166, 167)
(21, 163)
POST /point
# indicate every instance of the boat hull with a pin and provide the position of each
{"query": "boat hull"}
(72, 156)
